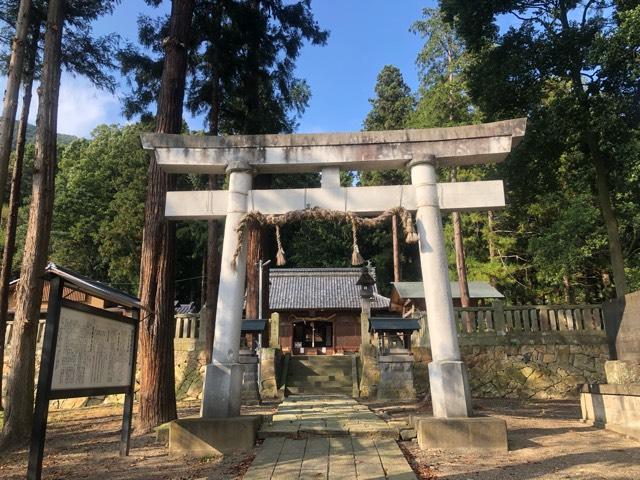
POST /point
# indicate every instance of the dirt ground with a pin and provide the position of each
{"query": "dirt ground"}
(84, 444)
(546, 441)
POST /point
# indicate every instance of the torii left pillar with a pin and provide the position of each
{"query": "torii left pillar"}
(223, 376)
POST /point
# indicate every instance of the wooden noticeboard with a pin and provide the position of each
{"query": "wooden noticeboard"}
(86, 351)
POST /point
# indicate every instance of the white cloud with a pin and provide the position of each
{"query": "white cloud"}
(82, 106)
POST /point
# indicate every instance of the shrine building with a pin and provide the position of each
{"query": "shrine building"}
(319, 309)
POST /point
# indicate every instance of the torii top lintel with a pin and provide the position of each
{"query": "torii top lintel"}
(466, 145)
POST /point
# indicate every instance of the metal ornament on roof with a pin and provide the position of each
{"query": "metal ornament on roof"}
(260, 219)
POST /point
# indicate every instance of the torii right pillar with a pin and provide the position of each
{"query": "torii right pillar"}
(448, 378)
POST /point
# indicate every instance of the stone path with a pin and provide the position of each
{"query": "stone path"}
(328, 437)
(328, 415)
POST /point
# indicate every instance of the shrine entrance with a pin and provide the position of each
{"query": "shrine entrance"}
(420, 151)
(312, 338)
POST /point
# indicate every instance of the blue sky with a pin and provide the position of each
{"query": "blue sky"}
(365, 36)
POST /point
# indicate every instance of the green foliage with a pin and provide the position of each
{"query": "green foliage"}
(391, 109)
(98, 212)
(83, 53)
(242, 59)
(393, 102)
(573, 69)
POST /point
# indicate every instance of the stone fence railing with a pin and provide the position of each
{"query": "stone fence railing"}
(497, 318)
(528, 318)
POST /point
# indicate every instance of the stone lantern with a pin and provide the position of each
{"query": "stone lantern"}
(366, 283)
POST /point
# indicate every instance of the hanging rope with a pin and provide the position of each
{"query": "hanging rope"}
(356, 258)
(280, 258)
(258, 219)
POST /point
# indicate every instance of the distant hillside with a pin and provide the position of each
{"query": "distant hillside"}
(31, 135)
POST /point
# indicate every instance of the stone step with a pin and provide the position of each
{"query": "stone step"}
(322, 361)
(330, 377)
(319, 369)
(320, 384)
(291, 390)
(317, 375)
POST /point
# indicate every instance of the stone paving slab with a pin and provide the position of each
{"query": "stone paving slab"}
(310, 415)
(323, 438)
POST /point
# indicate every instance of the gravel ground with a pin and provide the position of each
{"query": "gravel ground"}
(546, 441)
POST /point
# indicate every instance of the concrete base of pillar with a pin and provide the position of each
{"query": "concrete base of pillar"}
(614, 407)
(479, 434)
(450, 393)
(200, 437)
(221, 392)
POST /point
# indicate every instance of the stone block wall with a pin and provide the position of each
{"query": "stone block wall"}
(516, 365)
(540, 365)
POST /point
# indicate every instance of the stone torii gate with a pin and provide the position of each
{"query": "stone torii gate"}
(420, 150)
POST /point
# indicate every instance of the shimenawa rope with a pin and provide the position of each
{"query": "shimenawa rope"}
(260, 219)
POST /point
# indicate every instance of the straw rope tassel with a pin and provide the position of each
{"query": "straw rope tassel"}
(356, 258)
(280, 258)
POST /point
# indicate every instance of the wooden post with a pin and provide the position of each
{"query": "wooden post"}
(47, 359)
(125, 435)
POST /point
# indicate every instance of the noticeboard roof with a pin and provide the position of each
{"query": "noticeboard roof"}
(93, 287)
(393, 324)
(254, 325)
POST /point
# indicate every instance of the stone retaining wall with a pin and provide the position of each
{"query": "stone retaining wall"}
(541, 365)
(516, 365)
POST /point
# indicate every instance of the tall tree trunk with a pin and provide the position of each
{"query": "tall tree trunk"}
(255, 252)
(19, 413)
(203, 281)
(461, 267)
(490, 233)
(608, 215)
(157, 384)
(590, 137)
(10, 106)
(396, 249)
(14, 201)
(569, 296)
(254, 255)
(492, 246)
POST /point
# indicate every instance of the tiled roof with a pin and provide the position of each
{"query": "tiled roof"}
(318, 288)
(476, 290)
(185, 308)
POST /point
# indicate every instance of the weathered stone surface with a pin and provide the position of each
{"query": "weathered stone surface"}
(471, 144)
(212, 436)
(622, 322)
(396, 378)
(269, 369)
(622, 373)
(330, 415)
(481, 434)
(408, 434)
(370, 376)
(499, 366)
(522, 368)
(162, 433)
(615, 407)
